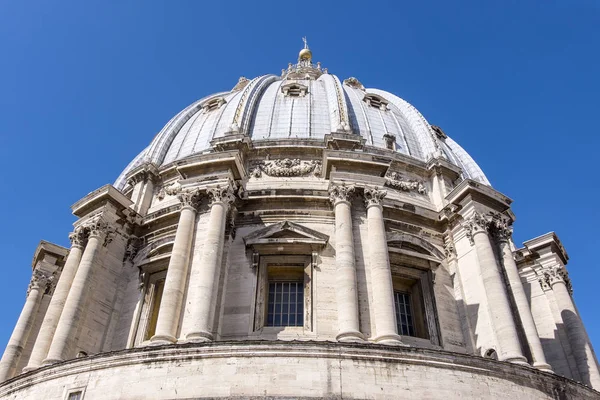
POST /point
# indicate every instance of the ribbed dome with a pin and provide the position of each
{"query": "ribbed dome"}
(305, 102)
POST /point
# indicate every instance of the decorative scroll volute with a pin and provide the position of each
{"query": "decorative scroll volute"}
(374, 196)
(340, 192)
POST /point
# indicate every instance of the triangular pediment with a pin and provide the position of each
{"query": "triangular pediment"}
(286, 232)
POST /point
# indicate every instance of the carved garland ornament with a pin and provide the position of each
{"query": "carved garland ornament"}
(287, 167)
(395, 180)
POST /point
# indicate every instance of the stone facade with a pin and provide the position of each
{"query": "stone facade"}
(406, 282)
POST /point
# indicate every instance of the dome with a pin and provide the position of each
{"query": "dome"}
(287, 236)
(304, 102)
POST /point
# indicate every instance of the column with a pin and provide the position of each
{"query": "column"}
(584, 356)
(203, 284)
(73, 310)
(523, 308)
(169, 312)
(57, 302)
(20, 334)
(345, 289)
(381, 275)
(501, 316)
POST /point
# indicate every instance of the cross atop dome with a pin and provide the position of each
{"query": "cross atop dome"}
(304, 69)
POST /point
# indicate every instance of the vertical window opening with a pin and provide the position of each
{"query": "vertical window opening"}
(158, 292)
(404, 314)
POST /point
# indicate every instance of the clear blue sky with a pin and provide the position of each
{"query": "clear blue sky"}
(85, 85)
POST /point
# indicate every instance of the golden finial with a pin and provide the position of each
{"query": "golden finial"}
(305, 53)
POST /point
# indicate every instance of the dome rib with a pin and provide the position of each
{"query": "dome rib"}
(416, 121)
(262, 111)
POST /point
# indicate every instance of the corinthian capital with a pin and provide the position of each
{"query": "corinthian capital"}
(78, 237)
(189, 198)
(555, 275)
(341, 192)
(502, 230)
(99, 228)
(374, 196)
(477, 223)
(221, 194)
(39, 281)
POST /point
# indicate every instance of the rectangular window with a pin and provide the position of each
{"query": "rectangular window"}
(404, 314)
(153, 318)
(285, 304)
(75, 395)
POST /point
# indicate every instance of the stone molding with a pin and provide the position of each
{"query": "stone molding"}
(374, 196)
(260, 353)
(286, 167)
(341, 192)
(395, 180)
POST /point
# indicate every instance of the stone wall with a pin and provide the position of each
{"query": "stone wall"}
(290, 370)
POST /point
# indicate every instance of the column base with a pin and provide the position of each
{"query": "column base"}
(350, 336)
(158, 340)
(199, 337)
(27, 369)
(390, 339)
(519, 360)
(50, 361)
(543, 367)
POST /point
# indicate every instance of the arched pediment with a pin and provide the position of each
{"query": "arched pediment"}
(406, 241)
(153, 249)
(284, 237)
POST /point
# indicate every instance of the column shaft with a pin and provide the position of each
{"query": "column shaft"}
(523, 308)
(580, 344)
(55, 308)
(172, 298)
(381, 278)
(501, 315)
(203, 285)
(20, 334)
(346, 291)
(70, 318)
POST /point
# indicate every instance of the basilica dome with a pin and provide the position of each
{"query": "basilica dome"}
(299, 236)
(304, 102)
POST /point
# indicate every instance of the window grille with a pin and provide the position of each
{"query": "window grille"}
(75, 395)
(404, 315)
(286, 304)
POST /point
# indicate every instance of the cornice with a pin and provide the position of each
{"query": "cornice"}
(98, 198)
(51, 249)
(549, 241)
(479, 193)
